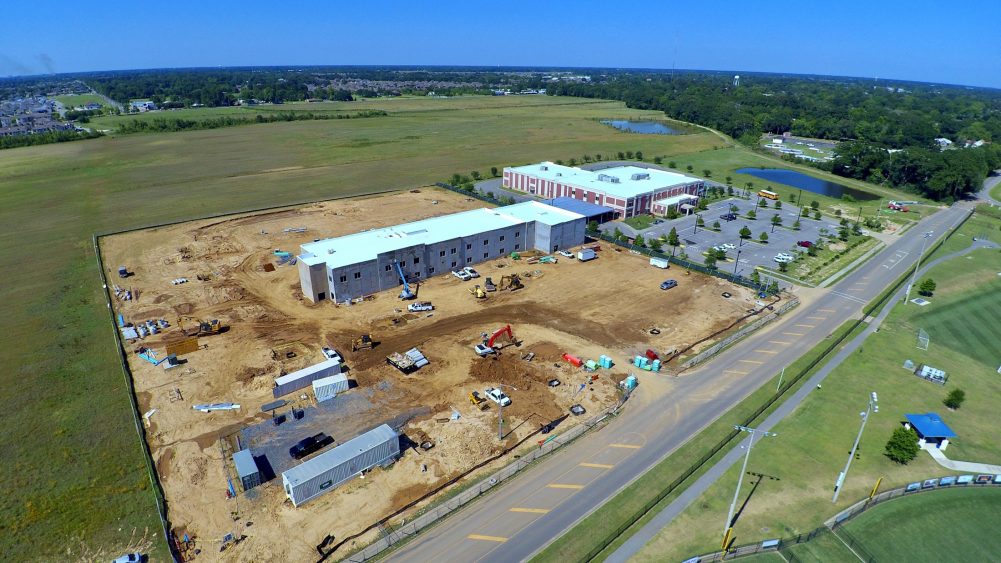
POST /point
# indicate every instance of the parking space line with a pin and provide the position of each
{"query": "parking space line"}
(793, 333)
(531, 510)
(805, 326)
(751, 362)
(565, 486)
(596, 465)
(779, 342)
(767, 351)
(497, 539)
(626, 446)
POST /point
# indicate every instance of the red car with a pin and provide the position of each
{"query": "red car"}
(804, 243)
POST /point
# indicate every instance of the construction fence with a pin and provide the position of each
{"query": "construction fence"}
(744, 331)
(391, 536)
(834, 526)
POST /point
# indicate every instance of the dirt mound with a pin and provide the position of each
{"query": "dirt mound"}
(184, 308)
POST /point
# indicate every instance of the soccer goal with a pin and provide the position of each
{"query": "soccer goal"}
(923, 339)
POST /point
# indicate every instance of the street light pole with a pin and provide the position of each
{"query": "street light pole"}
(736, 262)
(728, 528)
(873, 407)
(914, 278)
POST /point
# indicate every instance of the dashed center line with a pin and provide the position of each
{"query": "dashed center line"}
(751, 362)
(767, 351)
(805, 326)
(626, 446)
(779, 342)
(817, 318)
(793, 333)
(735, 371)
(565, 486)
(497, 539)
(827, 310)
(597, 465)
(531, 510)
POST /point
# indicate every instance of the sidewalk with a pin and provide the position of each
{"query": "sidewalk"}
(966, 466)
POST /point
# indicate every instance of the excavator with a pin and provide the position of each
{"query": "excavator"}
(478, 292)
(511, 283)
(200, 328)
(363, 342)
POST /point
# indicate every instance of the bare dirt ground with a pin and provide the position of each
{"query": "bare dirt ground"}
(605, 306)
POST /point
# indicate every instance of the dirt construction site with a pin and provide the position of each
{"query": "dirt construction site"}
(611, 306)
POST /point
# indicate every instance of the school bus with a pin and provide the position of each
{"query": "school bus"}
(768, 194)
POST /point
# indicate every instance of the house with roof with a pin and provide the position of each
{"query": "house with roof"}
(931, 430)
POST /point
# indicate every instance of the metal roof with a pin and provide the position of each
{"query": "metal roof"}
(577, 206)
(930, 425)
(245, 464)
(340, 454)
(367, 245)
(675, 199)
(617, 181)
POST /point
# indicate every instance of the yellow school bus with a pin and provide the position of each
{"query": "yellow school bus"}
(768, 194)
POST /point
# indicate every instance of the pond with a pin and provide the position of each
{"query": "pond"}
(642, 127)
(808, 183)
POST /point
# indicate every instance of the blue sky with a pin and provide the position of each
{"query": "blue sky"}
(893, 39)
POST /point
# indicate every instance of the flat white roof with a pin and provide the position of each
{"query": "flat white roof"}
(616, 181)
(341, 454)
(367, 245)
(674, 199)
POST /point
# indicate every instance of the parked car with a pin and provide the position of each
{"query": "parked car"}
(577, 410)
(462, 275)
(728, 246)
(310, 445)
(728, 216)
(669, 284)
(784, 257)
(497, 396)
(566, 254)
(472, 273)
(804, 243)
(129, 558)
(483, 350)
(331, 354)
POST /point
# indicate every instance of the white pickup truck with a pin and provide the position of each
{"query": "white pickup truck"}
(420, 306)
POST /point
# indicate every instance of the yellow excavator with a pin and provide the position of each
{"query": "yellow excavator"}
(363, 342)
(512, 283)
(200, 327)
(478, 292)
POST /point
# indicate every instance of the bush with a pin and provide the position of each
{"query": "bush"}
(816, 215)
(927, 287)
(903, 445)
(954, 399)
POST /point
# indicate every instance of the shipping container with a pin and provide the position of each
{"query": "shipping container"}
(328, 387)
(661, 263)
(379, 446)
(246, 469)
(303, 378)
(586, 254)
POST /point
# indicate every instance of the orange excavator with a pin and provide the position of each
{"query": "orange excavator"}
(502, 337)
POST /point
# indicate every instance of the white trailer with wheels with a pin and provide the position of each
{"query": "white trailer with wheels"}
(586, 254)
(661, 263)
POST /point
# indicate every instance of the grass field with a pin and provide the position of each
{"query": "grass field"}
(73, 100)
(73, 472)
(996, 191)
(813, 442)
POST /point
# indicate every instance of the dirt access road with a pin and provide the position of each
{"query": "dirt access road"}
(606, 306)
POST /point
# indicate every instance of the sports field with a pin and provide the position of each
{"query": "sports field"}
(971, 324)
(74, 478)
(813, 442)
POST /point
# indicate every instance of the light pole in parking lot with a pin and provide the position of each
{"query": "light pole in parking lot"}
(736, 262)
(728, 529)
(873, 407)
(914, 279)
(697, 217)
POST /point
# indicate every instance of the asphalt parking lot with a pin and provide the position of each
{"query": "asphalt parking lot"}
(752, 253)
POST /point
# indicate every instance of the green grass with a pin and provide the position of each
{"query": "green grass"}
(588, 533)
(824, 548)
(948, 525)
(970, 324)
(639, 222)
(996, 191)
(813, 442)
(73, 100)
(73, 468)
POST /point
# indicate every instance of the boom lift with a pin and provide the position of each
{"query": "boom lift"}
(406, 293)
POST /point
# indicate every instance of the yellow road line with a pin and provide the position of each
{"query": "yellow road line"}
(779, 342)
(793, 333)
(597, 465)
(626, 446)
(751, 362)
(735, 371)
(767, 351)
(564, 486)
(827, 310)
(497, 539)
(817, 318)
(531, 510)
(805, 326)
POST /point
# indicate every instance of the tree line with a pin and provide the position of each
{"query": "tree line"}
(166, 125)
(872, 119)
(16, 141)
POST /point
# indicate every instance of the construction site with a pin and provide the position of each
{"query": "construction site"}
(247, 386)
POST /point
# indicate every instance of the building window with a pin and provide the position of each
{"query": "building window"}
(485, 242)
(453, 263)
(469, 259)
(431, 270)
(469, 246)
(331, 277)
(417, 260)
(357, 275)
(501, 252)
(442, 253)
(502, 238)
(453, 252)
(486, 255)
(517, 234)
(389, 267)
(344, 279)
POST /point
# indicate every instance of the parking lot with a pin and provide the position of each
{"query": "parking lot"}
(752, 253)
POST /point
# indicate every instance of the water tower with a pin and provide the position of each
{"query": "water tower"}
(736, 80)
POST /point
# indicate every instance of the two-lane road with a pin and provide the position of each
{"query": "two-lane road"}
(526, 514)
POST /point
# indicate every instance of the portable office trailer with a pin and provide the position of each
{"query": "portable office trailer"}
(246, 469)
(303, 378)
(379, 446)
(328, 387)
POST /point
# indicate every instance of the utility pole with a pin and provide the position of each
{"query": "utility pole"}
(728, 528)
(873, 407)
(914, 278)
(736, 262)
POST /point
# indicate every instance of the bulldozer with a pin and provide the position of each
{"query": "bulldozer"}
(478, 401)
(200, 327)
(478, 292)
(511, 282)
(363, 342)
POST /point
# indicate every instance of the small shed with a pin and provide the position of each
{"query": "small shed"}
(934, 375)
(246, 469)
(303, 378)
(328, 387)
(592, 211)
(930, 429)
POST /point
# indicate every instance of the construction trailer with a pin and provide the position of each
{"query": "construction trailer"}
(305, 377)
(377, 447)
(246, 469)
(328, 387)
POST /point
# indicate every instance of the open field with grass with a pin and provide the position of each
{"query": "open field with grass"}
(813, 443)
(73, 471)
(73, 100)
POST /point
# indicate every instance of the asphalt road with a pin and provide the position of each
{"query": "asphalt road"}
(527, 514)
